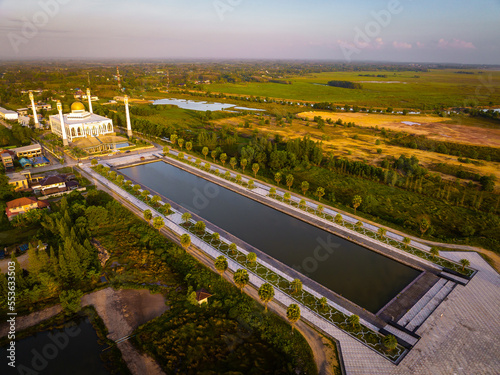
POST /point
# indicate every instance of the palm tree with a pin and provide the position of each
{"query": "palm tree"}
(304, 187)
(320, 209)
(223, 158)
(293, 314)
(155, 199)
(272, 192)
(166, 208)
(180, 155)
(323, 301)
(434, 251)
(266, 293)
(277, 177)
(204, 151)
(227, 175)
(356, 202)
(213, 154)
(241, 278)
(287, 197)
(238, 178)
(199, 226)
(407, 241)
(233, 162)
(465, 263)
(320, 192)
(128, 183)
(185, 241)
(158, 223)
(180, 142)
(289, 181)
(186, 216)
(302, 204)
(390, 342)
(359, 224)
(243, 163)
(119, 179)
(354, 320)
(221, 264)
(251, 257)
(215, 236)
(233, 248)
(189, 146)
(136, 188)
(339, 219)
(251, 184)
(148, 215)
(382, 232)
(255, 169)
(296, 285)
(145, 194)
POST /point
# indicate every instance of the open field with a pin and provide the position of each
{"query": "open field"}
(398, 89)
(433, 127)
(356, 143)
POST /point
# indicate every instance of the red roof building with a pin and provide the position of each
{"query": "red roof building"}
(22, 205)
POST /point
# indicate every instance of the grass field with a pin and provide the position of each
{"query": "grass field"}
(433, 88)
(355, 143)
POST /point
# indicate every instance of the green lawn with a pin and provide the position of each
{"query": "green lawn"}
(431, 88)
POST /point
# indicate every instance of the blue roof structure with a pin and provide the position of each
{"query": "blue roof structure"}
(39, 161)
(25, 163)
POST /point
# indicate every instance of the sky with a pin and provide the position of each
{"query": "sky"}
(442, 31)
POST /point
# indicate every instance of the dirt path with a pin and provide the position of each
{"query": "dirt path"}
(30, 320)
(22, 259)
(122, 311)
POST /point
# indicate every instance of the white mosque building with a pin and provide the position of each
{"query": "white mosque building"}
(81, 124)
(87, 130)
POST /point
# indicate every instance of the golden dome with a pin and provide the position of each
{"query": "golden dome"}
(77, 106)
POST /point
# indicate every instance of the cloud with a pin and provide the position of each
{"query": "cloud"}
(455, 44)
(375, 44)
(401, 45)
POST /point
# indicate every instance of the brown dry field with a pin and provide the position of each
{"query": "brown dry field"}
(433, 127)
(341, 143)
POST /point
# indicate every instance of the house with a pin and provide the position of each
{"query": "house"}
(7, 114)
(39, 161)
(25, 163)
(7, 160)
(202, 296)
(28, 151)
(19, 182)
(22, 205)
(52, 184)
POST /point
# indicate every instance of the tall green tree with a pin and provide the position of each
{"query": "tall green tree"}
(255, 169)
(185, 241)
(158, 223)
(277, 177)
(186, 216)
(289, 181)
(293, 314)
(304, 187)
(354, 320)
(221, 264)
(296, 285)
(320, 192)
(266, 293)
(243, 163)
(241, 278)
(204, 151)
(148, 215)
(434, 251)
(223, 158)
(356, 202)
(425, 224)
(233, 162)
(189, 146)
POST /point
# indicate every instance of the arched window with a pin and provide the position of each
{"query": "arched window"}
(73, 134)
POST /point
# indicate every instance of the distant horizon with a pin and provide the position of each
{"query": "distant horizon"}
(393, 31)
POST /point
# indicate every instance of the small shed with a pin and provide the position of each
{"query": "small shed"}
(202, 296)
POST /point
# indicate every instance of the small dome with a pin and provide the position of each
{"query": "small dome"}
(77, 106)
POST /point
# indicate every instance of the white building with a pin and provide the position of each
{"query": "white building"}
(81, 124)
(7, 114)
